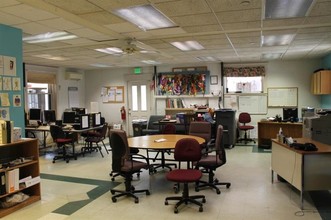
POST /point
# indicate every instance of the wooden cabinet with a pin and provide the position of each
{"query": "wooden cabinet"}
(27, 152)
(321, 82)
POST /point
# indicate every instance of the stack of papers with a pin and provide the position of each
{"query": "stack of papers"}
(160, 140)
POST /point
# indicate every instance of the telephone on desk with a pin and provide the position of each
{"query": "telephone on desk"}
(304, 147)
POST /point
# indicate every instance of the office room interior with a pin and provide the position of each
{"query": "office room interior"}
(79, 71)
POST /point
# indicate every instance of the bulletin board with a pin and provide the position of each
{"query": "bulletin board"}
(112, 94)
(283, 97)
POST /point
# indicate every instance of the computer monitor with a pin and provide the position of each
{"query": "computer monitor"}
(290, 114)
(49, 116)
(84, 121)
(69, 118)
(35, 114)
(96, 119)
(79, 111)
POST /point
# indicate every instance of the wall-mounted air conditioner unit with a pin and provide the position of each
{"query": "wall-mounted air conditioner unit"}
(73, 76)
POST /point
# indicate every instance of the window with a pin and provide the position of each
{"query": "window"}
(244, 84)
(38, 96)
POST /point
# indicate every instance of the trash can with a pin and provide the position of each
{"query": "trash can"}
(138, 125)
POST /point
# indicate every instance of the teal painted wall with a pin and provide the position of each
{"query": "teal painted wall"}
(11, 45)
(326, 99)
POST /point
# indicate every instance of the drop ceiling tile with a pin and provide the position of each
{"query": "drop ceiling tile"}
(202, 28)
(6, 3)
(75, 6)
(283, 22)
(193, 20)
(242, 26)
(234, 5)
(122, 27)
(28, 12)
(239, 16)
(183, 7)
(111, 5)
(60, 24)
(35, 28)
(321, 9)
(9, 19)
(102, 18)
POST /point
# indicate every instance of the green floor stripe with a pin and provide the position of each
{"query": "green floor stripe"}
(102, 187)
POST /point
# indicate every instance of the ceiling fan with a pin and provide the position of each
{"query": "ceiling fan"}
(134, 46)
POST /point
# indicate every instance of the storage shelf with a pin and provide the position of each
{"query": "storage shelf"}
(25, 148)
(184, 96)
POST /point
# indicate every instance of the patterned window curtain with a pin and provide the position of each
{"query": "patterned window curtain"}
(244, 71)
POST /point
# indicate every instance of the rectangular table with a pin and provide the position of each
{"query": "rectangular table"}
(305, 170)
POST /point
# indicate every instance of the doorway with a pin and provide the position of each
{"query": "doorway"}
(139, 99)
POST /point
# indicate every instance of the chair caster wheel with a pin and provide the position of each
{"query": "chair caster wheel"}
(113, 179)
(197, 189)
(200, 209)
(67, 161)
(112, 192)
(218, 192)
(216, 181)
(203, 201)
(114, 200)
(136, 200)
(148, 193)
(166, 202)
(176, 211)
(53, 161)
(228, 185)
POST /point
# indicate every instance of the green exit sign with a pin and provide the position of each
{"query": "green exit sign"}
(137, 70)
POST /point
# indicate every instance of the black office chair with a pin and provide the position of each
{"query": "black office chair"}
(95, 138)
(151, 127)
(202, 129)
(211, 162)
(125, 164)
(62, 140)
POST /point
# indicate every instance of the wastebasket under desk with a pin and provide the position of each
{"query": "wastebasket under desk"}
(137, 127)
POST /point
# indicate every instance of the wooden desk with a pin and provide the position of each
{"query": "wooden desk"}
(305, 170)
(268, 130)
(148, 142)
(43, 129)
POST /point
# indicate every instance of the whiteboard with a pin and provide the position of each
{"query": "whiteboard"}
(283, 97)
(253, 104)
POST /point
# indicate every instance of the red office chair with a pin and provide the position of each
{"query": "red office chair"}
(186, 150)
(245, 118)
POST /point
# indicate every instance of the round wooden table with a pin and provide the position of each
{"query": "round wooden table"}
(160, 142)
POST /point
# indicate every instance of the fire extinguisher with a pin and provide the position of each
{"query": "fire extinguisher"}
(123, 113)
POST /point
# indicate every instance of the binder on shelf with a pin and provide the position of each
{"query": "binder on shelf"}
(12, 180)
(3, 132)
(2, 183)
(10, 131)
(32, 181)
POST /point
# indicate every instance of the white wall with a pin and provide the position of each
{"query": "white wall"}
(62, 90)
(278, 74)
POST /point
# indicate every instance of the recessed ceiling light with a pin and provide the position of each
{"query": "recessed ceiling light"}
(100, 65)
(277, 40)
(188, 45)
(150, 62)
(50, 57)
(286, 9)
(49, 37)
(271, 56)
(146, 17)
(110, 50)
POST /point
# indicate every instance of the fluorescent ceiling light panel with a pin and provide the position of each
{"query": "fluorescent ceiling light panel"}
(150, 62)
(286, 8)
(50, 57)
(110, 50)
(188, 45)
(271, 56)
(208, 58)
(146, 17)
(100, 65)
(49, 37)
(277, 40)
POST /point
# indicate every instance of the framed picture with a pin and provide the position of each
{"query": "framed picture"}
(213, 80)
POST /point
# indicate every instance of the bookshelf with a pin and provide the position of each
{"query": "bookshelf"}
(27, 149)
(165, 105)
